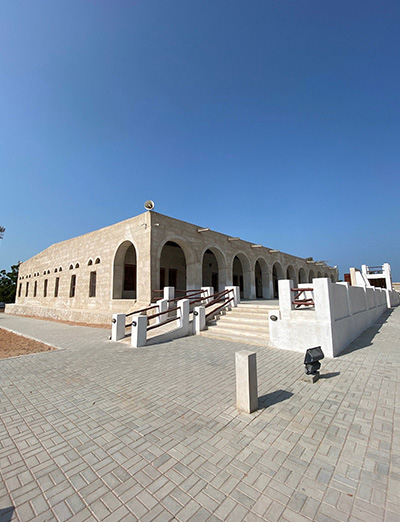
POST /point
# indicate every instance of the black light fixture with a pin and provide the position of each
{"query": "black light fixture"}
(311, 360)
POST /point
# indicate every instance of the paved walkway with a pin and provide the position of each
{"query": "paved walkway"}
(102, 432)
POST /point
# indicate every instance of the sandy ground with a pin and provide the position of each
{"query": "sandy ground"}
(12, 344)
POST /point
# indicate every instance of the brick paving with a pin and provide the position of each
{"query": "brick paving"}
(99, 431)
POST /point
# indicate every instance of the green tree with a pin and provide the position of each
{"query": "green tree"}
(8, 284)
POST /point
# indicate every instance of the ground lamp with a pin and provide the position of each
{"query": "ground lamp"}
(312, 364)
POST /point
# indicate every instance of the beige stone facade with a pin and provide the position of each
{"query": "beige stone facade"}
(124, 266)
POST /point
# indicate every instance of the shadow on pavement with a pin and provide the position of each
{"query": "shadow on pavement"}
(329, 375)
(6, 514)
(273, 398)
(365, 339)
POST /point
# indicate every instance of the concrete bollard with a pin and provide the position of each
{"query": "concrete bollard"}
(183, 312)
(208, 292)
(169, 293)
(139, 331)
(246, 381)
(235, 294)
(162, 307)
(118, 327)
(199, 319)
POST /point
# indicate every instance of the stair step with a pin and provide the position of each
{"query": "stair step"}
(258, 341)
(231, 318)
(239, 332)
(225, 322)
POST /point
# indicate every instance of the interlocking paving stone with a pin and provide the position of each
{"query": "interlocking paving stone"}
(98, 431)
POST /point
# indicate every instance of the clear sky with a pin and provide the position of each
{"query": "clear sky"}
(276, 121)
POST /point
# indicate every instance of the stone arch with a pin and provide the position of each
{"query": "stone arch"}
(332, 278)
(173, 265)
(291, 274)
(326, 275)
(241, 274)
(311, 276)
(213, 268)
(319, 274)
(277, 274)
(125, 272)
(261, 276)
(302, 276)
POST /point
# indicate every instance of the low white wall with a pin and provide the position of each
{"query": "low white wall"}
(341, 314)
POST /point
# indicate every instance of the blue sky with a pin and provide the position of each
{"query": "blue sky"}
(275, 121)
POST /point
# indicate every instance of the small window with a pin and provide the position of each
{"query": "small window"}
(72, 286)
(20, 290)
(27, 290)
(90, 262)
(97, 260)
(77, 265)
(48, 271)
(55, 270)
(71, 267)
(92, 284)
(56, 287)
(35, 289)
(44, 273)
(45, 287)
(60, 269)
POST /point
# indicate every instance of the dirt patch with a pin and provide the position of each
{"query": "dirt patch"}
(12, 344)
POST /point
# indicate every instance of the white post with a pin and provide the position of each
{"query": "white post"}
(118, 327)
(286, 297)
(162, 307)
(208, 291)
(183, 311)
(199, 319)
(246, 381)
(236, 294)
(139, 331)
(169, 293)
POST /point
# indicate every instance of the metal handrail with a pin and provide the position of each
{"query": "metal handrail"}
(219, 307)
(217, 299)
(161, 324)
(302, 302)
(137, 312)
(162, 313)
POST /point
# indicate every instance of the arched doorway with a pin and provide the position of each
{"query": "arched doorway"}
(277, 274)
(302, 276)
(124, 272)
(291, 274)
(237, 272)
(261, 279)
(214, 269)
(172, 266)
(319, 274)
(311, 276)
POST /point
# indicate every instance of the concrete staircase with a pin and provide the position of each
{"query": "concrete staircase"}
(247, 323)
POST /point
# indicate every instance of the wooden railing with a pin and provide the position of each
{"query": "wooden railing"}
(302, 302)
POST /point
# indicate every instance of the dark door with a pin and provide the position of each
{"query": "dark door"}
(172, 277)
(214, 281)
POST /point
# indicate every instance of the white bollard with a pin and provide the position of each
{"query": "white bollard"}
(208, 291)
(139, 331)
(183, 312)
(118, 327)
(199, 319)
(162, 307)
(246, 381)
(169, 293)
(235, 294)
(286, 297)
